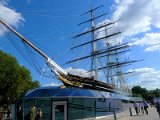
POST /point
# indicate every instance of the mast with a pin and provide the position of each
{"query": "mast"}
(113, 66)
(67, 78)
(110, 51)
(109, 60)
(93, 44)
(56, 68)
(94, 52)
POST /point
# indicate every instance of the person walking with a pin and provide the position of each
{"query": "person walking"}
(32, 113)
(8, 114)
(135, 105)
(145, 104)
(39, 114)
(158, 108)
(141, 107)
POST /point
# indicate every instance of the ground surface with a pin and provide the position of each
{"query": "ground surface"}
(153, 115)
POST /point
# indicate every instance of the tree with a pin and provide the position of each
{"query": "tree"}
(136, 90)
(144, 92)
(15, 80)
(156, 93)
(149, 95)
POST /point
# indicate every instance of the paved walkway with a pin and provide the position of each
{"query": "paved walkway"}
(153, 115)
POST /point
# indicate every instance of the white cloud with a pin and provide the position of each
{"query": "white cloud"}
(139, 18)
(153, 48)
(117, 1)
(108, 31)
(79, 72)
(150, 40)
(53, 84)
(146, 77)
(138, 15)
(10, 16)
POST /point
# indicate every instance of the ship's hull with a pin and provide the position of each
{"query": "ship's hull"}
(86, 83)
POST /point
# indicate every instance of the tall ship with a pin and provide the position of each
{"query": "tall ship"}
(98, 90)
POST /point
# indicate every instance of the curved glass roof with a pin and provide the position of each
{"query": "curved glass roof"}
(53, 92)
(61, 92)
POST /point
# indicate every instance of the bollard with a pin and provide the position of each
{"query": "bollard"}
(130, 111)
(114, 113)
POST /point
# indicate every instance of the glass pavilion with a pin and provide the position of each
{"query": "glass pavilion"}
(59, 103)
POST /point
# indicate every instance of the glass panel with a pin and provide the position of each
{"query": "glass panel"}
(43, 93)
(28, 104)
(64, 92)
(88, 107)
(45, 105)
(19, 110)
(75, 108)
(59, 112)
(79, 108)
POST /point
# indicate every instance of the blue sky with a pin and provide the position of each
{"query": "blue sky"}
(51, 24)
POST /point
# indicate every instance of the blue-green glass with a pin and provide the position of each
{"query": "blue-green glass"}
(59, 112)
(45, 105)
(28, 103)
(89, 108)
(75, 108)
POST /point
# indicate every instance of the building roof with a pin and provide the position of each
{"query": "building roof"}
(56, 92)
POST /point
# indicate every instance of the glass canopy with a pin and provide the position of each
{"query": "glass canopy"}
(53, 92)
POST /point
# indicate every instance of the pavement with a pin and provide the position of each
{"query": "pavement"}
(152, 115)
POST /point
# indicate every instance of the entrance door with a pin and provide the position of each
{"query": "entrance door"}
(59, 110)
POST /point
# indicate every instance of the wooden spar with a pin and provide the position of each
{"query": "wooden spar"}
(96, 40)
(102, 26)
(126, 73)
(100, 52)
(119, 64)
(92, 19)
(92, 10)
(24, 39)
(50, 62)
(111, 54)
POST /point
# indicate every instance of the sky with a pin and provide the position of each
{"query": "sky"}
(51, 24)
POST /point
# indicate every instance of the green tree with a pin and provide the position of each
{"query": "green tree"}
(156, 93)
(144, 92)
(15, 80)
(149, 95)
(138, 91)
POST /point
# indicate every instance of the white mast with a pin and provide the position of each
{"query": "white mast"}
(94, 59)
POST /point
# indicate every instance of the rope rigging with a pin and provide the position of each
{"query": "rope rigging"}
(29, 57)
